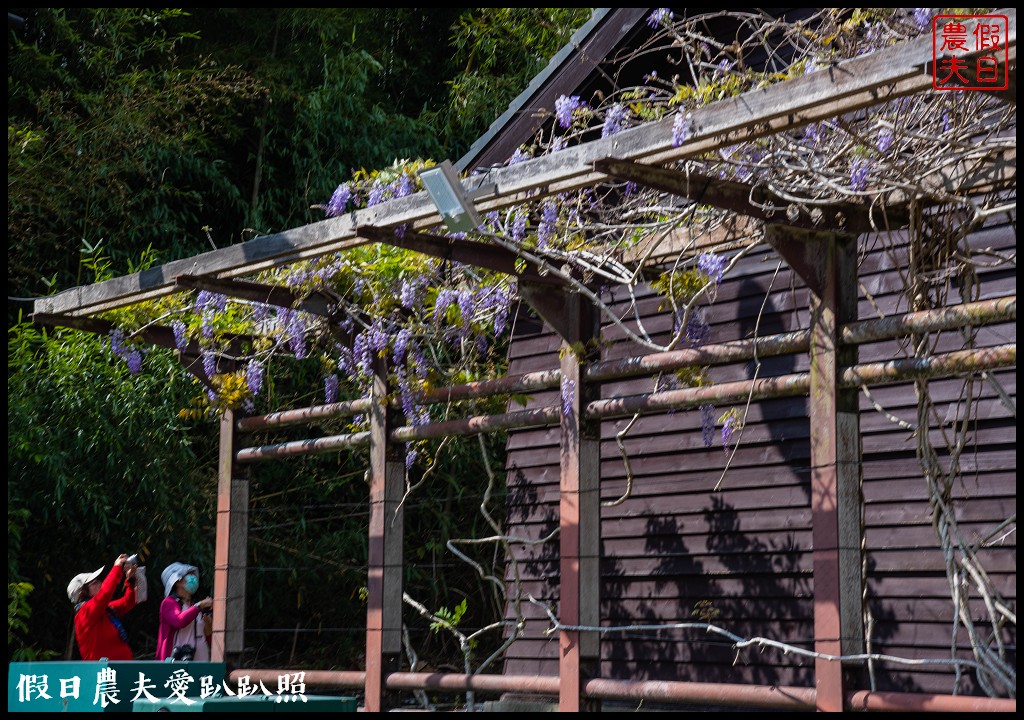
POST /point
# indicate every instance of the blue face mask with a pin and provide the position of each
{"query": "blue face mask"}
(191, 584)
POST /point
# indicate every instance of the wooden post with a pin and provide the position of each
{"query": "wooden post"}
(231, 558)
(384, 581)
(827, 263)
(579, 497)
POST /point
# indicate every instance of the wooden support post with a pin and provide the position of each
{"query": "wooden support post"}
(579, 503)
(231, 561)
(828, 265)
(384, 581)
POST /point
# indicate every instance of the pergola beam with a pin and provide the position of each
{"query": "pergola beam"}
(842, 88)
(750, 201)
(316, 304)
(468, 252)
(158, 335)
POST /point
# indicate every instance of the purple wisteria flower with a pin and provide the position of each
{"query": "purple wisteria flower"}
(254, 377)
(502, 298)
(339, 201)
(202, 300)
(614, 120)
(445, 296)
(520, 155)
(377, 337)
(377, 193)
(729, 428)
(419, 358)
(813, 134)
(117, 342)
(209, 364)
(401, 345)
(131, 356)
(346, 361)
(885, 138)
(260, 312)
(659, 17)
(681, 129)
(558, 143)
(330, 389)
(568, 396)
(410, 456)
(707, 424)
(411, 293)
(180, 338)
(134, 360)
(519, 225)
(362, 353)
(206, 327)
(405, 394)
(629, 188)
(421, 416)
(922, 18)
(711, 265)
(295, 327)
(859, 171)
(467, 305)
(206, 300)
(548, 218)
(403, 186)
(565, 106)
(698, 330)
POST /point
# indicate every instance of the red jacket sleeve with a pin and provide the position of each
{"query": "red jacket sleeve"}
(124, 603)
(171, 614)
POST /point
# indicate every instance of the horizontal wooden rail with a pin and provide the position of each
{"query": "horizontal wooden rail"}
(714, 694)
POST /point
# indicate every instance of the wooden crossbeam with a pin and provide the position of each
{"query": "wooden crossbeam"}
(316, 304)
(755, 201)
(468, 252)
(159, 335)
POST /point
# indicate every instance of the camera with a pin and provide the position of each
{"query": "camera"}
(183, 653)
(132, 560)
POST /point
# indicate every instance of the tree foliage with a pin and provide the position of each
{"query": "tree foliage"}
(99, 463)
(111, 139)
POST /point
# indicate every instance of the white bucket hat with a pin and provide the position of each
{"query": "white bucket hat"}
(79, 581)
(175, 572)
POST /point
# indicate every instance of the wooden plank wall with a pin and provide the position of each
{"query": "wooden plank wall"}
(741, 554)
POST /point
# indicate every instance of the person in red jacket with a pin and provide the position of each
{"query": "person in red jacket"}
(98, 628)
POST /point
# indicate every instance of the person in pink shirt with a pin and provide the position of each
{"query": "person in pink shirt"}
(185, 626)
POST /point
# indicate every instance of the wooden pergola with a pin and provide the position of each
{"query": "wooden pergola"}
(821, 250)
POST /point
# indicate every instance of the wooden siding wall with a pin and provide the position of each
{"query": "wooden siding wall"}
(742, 553)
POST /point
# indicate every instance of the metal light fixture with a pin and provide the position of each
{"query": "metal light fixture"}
(451, 199)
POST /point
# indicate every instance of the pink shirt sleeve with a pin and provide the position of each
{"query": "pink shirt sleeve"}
(171, 614)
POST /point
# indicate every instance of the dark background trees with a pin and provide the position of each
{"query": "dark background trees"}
(137, 136)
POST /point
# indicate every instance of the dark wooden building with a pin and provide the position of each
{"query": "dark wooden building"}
(704, 533)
